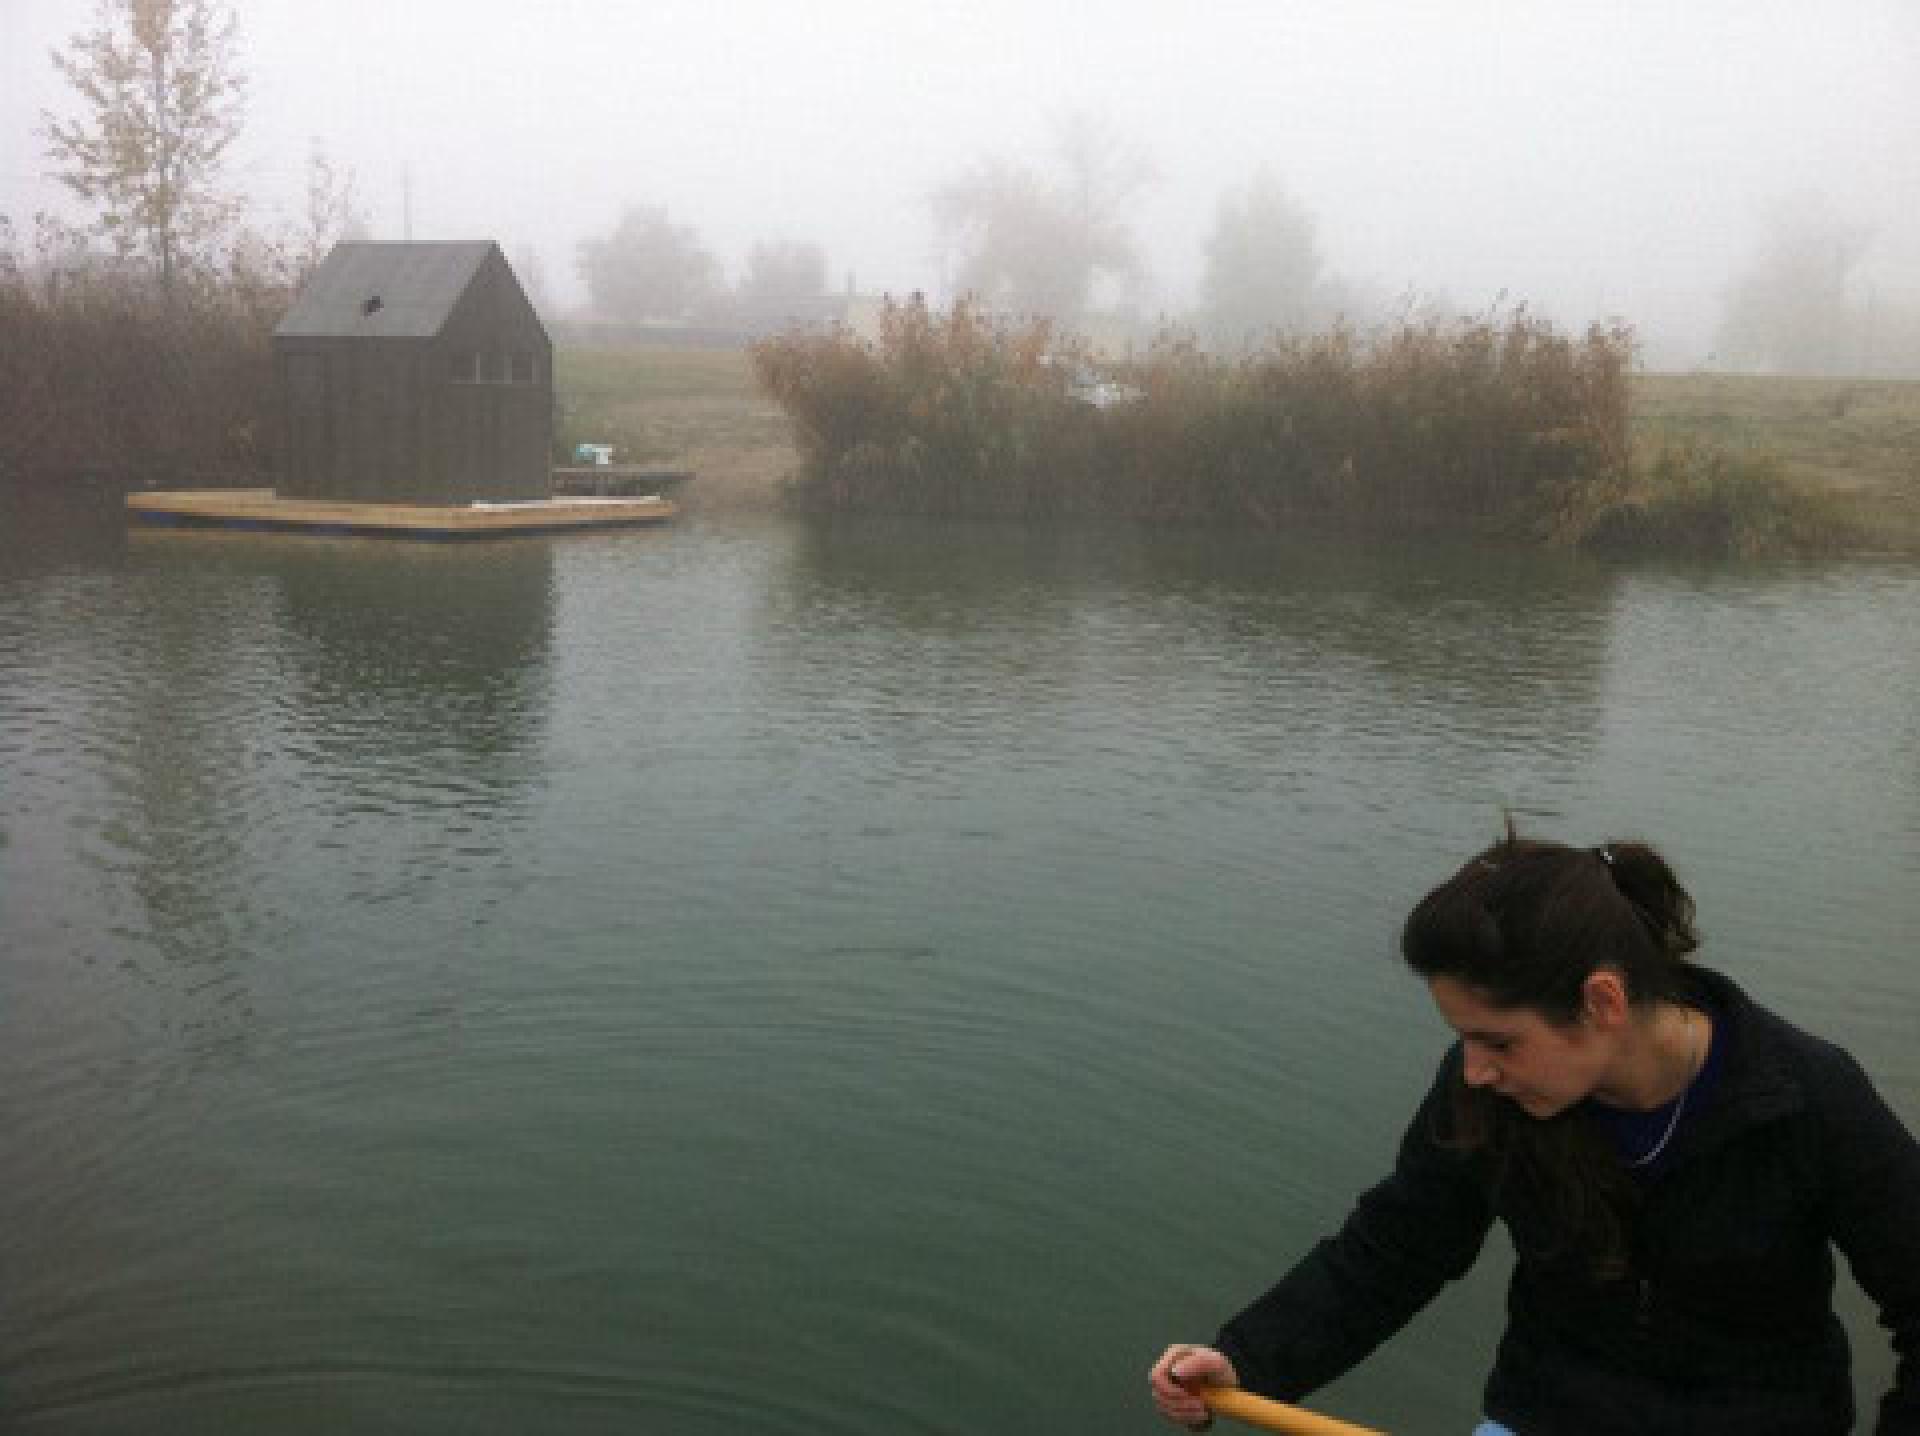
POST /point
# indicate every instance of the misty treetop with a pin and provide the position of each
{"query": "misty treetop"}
(158, 101)
(1263, 267)
(781, 271)
(162, 101)
(1037, 242)
(1798, 308)
(648, 268)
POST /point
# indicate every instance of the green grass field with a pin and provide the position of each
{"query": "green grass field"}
(1857, 440)
(655, 405)
(678, 408)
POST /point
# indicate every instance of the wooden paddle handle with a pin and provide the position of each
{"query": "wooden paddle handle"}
(1275, 1415)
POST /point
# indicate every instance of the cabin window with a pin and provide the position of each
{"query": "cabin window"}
(522, 367)
(463, 367)
(497, 368)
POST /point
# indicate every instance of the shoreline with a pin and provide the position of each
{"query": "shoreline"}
(1856, 441)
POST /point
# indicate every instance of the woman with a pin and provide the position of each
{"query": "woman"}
(1673, 1162)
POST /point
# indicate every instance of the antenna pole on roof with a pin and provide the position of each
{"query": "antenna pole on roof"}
(406, 204)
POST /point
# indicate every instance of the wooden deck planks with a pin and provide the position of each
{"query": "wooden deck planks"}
(263, 509)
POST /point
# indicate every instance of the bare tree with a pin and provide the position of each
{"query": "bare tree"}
(162, 101)
(532, 274)
(1040, 244)
(1104, 172)
(331, 211)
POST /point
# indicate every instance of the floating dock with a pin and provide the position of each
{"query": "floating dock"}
(617, 479)
(264, 509)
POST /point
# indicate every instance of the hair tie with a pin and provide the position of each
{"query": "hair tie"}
(1605, 854)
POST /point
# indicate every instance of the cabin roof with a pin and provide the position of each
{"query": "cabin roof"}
(416, 286)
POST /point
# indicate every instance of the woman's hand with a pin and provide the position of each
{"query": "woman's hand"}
(1178, 1375)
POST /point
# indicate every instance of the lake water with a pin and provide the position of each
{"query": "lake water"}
(768, 976)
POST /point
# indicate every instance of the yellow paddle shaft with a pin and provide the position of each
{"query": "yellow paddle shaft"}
(1275, 1415)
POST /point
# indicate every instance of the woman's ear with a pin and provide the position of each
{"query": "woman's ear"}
(1604, 1001)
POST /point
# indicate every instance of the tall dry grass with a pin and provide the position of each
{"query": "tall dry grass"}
(943, 413)
(103, 373)
(1502, 424)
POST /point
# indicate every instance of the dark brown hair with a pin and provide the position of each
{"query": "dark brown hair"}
(1525, 924)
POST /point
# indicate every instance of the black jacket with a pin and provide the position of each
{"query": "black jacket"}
(1724, 1321)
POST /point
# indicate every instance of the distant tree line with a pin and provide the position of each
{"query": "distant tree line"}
(1058, 241)
(1023, 239)
(649, 269)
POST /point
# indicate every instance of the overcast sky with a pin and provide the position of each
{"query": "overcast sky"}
(1590, 156)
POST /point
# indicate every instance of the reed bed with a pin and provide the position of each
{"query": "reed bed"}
(1497, 425)
(1503, 426)
(943, 414)
(103, 374)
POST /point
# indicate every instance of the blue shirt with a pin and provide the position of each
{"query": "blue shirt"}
(1635, 1134)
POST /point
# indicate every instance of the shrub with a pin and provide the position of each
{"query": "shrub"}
(1504, 425)
(944, 413)
(1694, 498)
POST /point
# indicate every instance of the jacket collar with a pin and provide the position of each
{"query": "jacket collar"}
(1758, 1081)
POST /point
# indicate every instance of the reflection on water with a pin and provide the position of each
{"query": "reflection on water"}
(1288, 667)
(845, 976)
(395, 689)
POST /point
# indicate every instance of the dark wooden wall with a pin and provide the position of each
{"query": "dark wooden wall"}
(462, 416)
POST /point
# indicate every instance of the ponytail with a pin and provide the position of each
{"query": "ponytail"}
(1664, 907)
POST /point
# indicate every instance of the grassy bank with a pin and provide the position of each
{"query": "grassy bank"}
(684, 408)
(1851, 444)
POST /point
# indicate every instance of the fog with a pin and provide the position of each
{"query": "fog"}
(1590, 157)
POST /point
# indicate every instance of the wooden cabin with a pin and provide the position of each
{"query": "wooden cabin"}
(414, 374)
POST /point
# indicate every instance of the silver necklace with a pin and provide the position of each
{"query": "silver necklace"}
(1647, 1157)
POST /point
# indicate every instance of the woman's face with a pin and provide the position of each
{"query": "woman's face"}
(1543, 1068)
